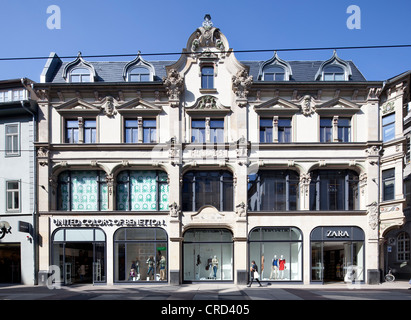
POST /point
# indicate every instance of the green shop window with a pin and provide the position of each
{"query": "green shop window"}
(142, 191)
(82, 190)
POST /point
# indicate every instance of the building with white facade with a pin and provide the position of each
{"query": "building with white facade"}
(187, 170)
(17, 189)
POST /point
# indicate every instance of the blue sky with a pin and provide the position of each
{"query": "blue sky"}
(126, 26)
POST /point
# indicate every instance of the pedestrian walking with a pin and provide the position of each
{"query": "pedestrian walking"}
(254, 274)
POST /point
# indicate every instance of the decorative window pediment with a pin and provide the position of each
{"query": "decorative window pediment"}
(79, 70)
(275, 69)
(206, 105)
(334, 69)
(138, 70)
(77, 106)
(139, 106)
(277, 106)
(337, 106)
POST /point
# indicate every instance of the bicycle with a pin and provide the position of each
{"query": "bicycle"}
(389, 277)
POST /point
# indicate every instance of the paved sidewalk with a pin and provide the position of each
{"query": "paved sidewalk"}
(398, 290)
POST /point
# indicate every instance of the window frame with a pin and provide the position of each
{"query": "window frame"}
(131, 74)
(85, 73)
(198, 184)
(83, 129)
(333, 73)
(403, 247)
(388, 182)
(350, 194)
(324, 128)
(267, 72)
(14, 193)
(11, 139)
(280, 179)
(388, 126)
(207, 79)
(208, 129)
(141, 127)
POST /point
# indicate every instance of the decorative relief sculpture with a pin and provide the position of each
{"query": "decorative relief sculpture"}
(174, 84)
(241, 83)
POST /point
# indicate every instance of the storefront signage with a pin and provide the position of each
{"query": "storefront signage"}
(109, 222)
(337, 234)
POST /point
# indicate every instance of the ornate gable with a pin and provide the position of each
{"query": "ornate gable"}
(139, 106)
(208, 104)
(77, 106)
(338, 106)
(277, 106)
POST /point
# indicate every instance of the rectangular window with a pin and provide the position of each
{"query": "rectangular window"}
(72, 130)
(266, 130)
(388, 184)
(12, 140)
(4, 96)
(130, 131)
(207, 77)
(326, 133)
(13, 195)
(198, 131)
(149, 131)
(90, 131)
(388, 127)
(344, 130)
(284, 130)
(217, 131)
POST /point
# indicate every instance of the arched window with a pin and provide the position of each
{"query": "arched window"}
(82, 190)
(80, 75)
(333, 73)
(142, 190)
(139, 74)
(214, 188)
(334, 190)
(273, 73)
(273, 190)
(403, 247)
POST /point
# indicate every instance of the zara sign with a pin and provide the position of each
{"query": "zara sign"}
(337, 234)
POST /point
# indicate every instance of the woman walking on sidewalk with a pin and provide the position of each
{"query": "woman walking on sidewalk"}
(254, 274)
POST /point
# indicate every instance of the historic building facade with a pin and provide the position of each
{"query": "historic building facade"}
(17, 188)
(187, 170)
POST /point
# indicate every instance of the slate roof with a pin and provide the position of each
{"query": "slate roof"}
(112, 71)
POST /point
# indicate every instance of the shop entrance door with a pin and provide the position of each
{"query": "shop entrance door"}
(10, 267)
(335, 258)
(79, 262)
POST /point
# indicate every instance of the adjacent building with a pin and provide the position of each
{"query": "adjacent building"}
(18, 122)
(187, 170)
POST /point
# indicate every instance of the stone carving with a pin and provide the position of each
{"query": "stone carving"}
(174, 84)
(108, 107)
(241, 83)
(372, 212)
(175, 210)
(307, 105)
(240, 210)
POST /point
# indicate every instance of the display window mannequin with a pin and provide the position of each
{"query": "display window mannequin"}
(281, 266)
(274, 268)
(214, 263)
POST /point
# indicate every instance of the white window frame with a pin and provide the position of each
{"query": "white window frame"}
(81, 75)
(8, 152)
(13, 192)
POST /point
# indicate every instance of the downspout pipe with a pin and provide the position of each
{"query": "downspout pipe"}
(34, 231)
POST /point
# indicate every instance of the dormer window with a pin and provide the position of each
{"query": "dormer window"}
(333, 73)
(80, 75)
(334, 69)
(273, 73)
(139, 74)
(275, 69)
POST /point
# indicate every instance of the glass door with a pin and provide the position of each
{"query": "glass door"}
(317, 263)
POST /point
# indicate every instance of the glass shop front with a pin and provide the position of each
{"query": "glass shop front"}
(337, 254)
(208, 255)
(277, 252)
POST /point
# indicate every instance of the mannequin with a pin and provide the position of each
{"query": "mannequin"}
(274, 268)
(281, 266)
(162, 268)
(214, 263)
(150, 262)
